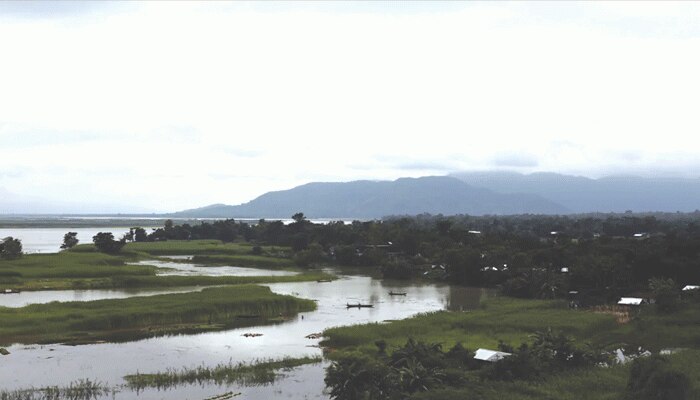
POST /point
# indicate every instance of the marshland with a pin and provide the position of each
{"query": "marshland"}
(203, 316)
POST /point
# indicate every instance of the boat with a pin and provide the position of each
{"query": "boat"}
(397, 293)
(324, 280)
(358, 305)
(9, 291)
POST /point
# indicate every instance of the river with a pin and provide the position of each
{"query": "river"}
(107, 363)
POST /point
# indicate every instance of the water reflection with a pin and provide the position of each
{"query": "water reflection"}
(108, 363)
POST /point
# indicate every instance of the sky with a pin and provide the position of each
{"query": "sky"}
(163, 106)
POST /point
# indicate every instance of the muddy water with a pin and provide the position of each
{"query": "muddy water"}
(59, 365)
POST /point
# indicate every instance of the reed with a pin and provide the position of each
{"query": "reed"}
(257, 373)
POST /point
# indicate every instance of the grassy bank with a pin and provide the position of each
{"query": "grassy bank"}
(257, 373)
(202, 247)
(515, 321)
(85, 268)
(507, 319)
(587, 384)
(210, 309)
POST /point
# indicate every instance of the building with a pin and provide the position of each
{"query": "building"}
(632, 301)
(490, 355)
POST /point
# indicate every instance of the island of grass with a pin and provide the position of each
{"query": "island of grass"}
(83, 267)
(137, 317)
(436, 351)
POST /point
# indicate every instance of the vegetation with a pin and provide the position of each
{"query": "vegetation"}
(211, 309)
(257, 373)
(10, 248)
(104, 242)
(70, 240)
(80, 390)
(83, 267)
(549, 344)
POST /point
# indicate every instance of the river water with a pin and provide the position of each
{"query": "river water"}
(49, 240)
(39, 366)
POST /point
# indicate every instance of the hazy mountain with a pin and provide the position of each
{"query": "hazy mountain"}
(610, 194)
(374, 199)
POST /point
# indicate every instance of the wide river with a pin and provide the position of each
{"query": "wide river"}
(47, 365)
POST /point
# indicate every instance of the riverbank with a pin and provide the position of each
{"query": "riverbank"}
(441, 346)
(211, 309)
(84, 268)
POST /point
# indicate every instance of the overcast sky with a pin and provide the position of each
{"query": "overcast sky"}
(165, 106)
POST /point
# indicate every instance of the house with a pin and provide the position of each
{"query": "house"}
(691, 287)
(490, 355)
(632, 301)
(475, 232)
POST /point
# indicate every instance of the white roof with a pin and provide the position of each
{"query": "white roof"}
(633, 301)
(565, 269)
(490, 355)
(475, 232)
(691, 287)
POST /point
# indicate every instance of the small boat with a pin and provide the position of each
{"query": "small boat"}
(324, 280)
(358, 305)
(9, 291)
(397, 293)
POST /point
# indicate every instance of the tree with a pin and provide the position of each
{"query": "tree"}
(104, 241)
(10, 248)
(667, 294)
(652, 378)
(140, 234)
(70, 239)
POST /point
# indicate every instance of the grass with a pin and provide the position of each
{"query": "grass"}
(513, 321)
(246, 260)
(202, 247)
(80, 390)
(507, 319)
(581, 384)
(83, 267)
(121, 319)
(257, 373)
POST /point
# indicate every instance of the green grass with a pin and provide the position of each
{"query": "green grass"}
(582, 384)
(211, 309)
(83, 267)
(247, 260)
(507, 319)
(257, 373)
(201, 247)
(79, 390)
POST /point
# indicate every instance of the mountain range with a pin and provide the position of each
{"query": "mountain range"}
(474, 193)
(374, 199)
(583, 195)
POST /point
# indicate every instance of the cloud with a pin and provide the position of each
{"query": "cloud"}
(54, 9)
(515, 160)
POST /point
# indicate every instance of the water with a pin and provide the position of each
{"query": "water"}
(49, 240)
(42, 297)
(187, 269)
(108, 362)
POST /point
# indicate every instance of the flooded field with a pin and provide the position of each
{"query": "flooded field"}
(107, 363)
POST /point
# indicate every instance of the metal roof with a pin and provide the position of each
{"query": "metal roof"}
(691, 287)
(631, 301)
(490, 355)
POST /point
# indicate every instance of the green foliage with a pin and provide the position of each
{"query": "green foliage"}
(652, 378)
(104, 242)
(257, 373)
(666, 293)
(70, 240)
(10, 248)
(213, 308)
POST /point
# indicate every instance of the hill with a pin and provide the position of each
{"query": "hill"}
(582, 195)
(375, 199)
